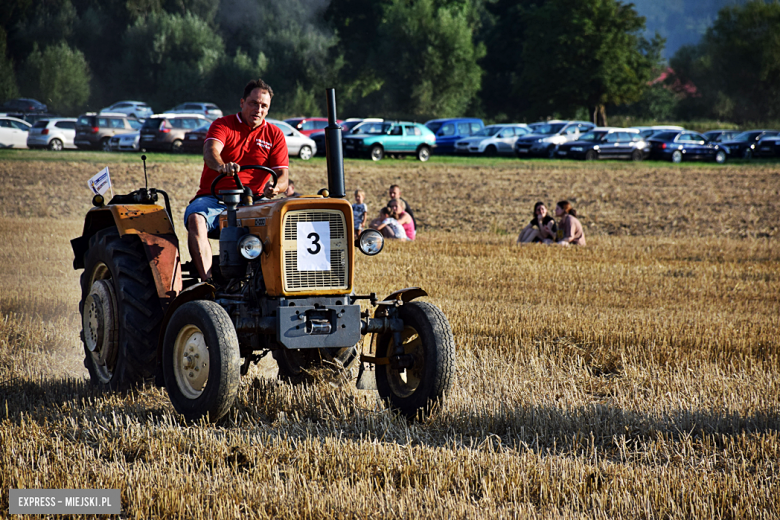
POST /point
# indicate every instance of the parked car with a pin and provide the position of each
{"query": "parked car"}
(54, 134)
(392, 138)
(309, 125)
(207, 110)
(492, 140)
(13, 132)
(166, 132)
(768, 147)
(129, 142)
(194, 139)
(23, 106)
(346, 127)
(719, 136)
(545, 137)
(606, 143)
(95, 131)
(137, 109)
(678, 146)
(298, 145)
(647, 131)
(450, 131)
(744, 145)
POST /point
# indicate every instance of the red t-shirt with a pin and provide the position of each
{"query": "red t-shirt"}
(265, 145)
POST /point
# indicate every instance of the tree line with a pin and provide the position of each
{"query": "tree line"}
(519, 60)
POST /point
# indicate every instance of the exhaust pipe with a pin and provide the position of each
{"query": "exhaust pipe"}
(333, 151)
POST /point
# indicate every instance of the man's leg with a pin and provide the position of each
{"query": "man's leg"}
(199, 245)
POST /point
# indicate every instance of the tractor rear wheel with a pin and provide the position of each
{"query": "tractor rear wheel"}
(201, 361)
(120, 311)
(427, 338)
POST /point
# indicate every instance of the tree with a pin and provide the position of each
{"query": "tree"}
(59, 76)
(169, 59)
(586, 54)
(736, 67)
(8, 87)
(425, 62)
(297, 45)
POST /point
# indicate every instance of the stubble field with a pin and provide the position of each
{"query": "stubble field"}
(638, 377)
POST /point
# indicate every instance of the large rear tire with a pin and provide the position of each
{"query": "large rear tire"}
(121, 313)
(201, 361)
(427, 338)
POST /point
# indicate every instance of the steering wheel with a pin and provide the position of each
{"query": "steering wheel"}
(239, 184)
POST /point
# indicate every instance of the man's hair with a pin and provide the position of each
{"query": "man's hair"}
(257, 83)
(393, 186)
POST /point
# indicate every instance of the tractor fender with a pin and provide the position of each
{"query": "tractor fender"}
(152, 226)
(407, 295)
(199, 291)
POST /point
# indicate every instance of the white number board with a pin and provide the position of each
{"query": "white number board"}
(313, 246)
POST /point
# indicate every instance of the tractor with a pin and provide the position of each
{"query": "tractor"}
(283, 284)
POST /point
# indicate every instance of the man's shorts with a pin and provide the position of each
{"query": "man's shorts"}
(207, 206)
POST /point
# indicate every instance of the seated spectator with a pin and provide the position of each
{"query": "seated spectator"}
(360, 211)
(395, 193)
(570, 230)
(291, 189)
(397, 211)
(542, 227)
(388, 226)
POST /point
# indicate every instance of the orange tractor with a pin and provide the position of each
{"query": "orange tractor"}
(283, 284)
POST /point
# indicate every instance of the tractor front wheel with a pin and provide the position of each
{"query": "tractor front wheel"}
(120, 312)
(429, 345)
(201, 361)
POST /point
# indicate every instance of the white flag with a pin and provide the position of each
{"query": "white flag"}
(100, 183)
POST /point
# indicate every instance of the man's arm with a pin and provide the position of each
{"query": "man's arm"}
(212, 150)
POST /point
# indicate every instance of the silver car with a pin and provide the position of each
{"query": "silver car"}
(209, 110)
(129, 142)
(297, 144)
(492, 140)
(13, 132)
(55, 133)
(137, 109)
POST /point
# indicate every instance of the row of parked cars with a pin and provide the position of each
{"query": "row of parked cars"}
(131, 126)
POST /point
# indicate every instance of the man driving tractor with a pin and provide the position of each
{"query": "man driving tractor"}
(242, 138)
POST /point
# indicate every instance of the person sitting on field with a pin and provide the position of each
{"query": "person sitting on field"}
(397, 207)
(570, 231)
(395, 193)
(388, 226)
(542, 227)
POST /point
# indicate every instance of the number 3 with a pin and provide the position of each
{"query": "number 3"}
(315, 242)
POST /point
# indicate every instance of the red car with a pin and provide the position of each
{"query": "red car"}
(309, 125)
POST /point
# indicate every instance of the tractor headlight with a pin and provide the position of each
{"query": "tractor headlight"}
(370, 242)
(250, 247)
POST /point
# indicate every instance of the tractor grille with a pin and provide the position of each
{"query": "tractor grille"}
(338, 276)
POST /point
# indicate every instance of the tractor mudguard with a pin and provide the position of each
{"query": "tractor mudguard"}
(366, 379)
(153, 227)
(199, 291)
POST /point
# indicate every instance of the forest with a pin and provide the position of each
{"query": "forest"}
(503, 60)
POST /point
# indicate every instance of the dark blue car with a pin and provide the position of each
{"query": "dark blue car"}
(450, 131)
(677, 146)
(744, 145)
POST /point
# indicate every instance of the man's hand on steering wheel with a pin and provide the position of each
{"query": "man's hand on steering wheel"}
(230, 168)
(270, 191)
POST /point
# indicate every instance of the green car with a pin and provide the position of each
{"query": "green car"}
(393, 138)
